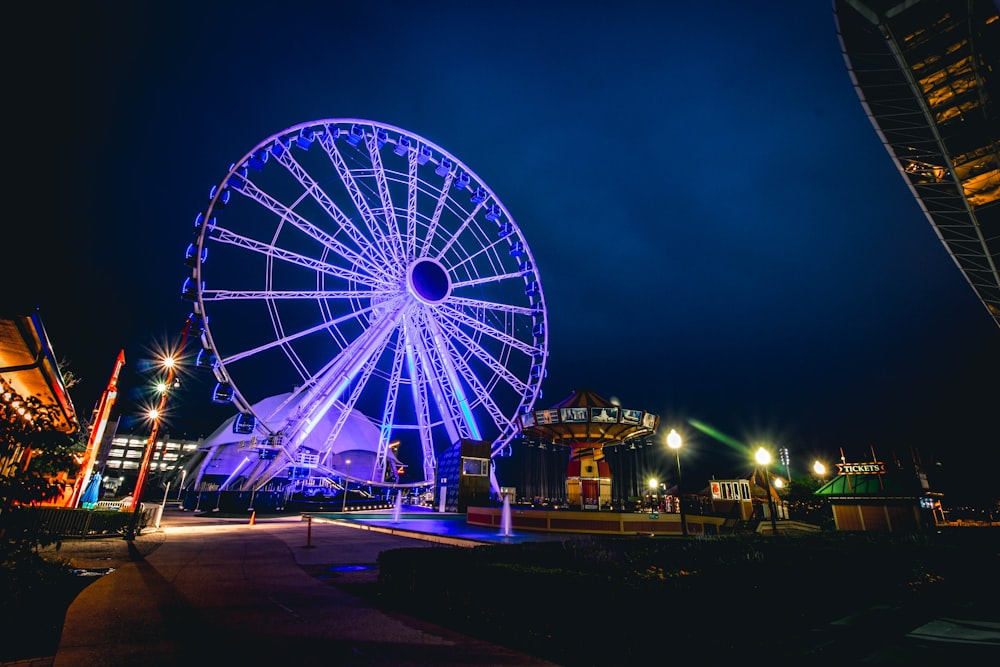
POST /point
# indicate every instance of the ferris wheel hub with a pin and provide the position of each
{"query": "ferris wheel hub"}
(428, 281)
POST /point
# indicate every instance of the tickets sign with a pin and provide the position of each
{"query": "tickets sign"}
(870, 468)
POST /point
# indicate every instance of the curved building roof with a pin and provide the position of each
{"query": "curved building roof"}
(29, 365)
(928, 75)
(229, 453)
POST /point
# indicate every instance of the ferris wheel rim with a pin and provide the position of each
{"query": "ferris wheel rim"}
(435, 298)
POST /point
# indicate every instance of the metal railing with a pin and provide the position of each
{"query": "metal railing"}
(67, 523)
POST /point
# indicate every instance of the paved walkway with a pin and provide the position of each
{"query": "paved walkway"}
(203, 590)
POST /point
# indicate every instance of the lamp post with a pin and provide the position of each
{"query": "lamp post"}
(763, 459)
(674, 442)
(346, 482)
(785, 461)
(820, 469)
(169, 363)
(653, 484)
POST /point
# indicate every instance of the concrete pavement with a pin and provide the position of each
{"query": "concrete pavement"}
(201, 589)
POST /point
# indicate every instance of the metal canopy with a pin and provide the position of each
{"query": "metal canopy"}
(928, 75)
(29, 365)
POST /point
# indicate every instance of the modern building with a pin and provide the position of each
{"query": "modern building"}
(928, 75)
(120, 456)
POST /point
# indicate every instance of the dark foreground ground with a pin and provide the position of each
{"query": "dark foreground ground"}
(812, 599)
(815, 599)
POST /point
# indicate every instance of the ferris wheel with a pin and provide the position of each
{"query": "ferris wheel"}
(364, 269)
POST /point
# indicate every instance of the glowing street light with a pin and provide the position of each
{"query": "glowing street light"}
(763, 458)
(674, 442)
(169, 363)
(820, 469)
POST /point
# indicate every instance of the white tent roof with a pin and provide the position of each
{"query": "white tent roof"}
(357, 441)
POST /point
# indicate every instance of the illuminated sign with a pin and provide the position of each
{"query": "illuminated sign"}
(872, 468)
(547, 416)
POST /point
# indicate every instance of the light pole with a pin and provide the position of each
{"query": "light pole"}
(155, 415)
(763, 459)
(820, 469)
(653, 484)
(674, 442)
(346, 482)
(785, 461)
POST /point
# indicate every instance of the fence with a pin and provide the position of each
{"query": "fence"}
(67, 523)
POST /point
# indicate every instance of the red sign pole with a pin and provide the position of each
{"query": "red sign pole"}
(97, 432)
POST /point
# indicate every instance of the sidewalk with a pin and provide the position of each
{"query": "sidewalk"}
(202, 590)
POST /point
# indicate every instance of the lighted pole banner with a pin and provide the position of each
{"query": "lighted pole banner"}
(97, 432)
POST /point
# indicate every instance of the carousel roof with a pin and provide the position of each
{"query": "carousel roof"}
(587, 417)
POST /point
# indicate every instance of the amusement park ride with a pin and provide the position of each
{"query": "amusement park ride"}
(587, 423)
(347, 269)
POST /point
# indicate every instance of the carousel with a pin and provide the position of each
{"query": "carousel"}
(586, 423)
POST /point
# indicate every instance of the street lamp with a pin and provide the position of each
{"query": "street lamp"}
(785, 461)
(820, 469)
(654, 484)
(346, 482)
(674, 442)
(763, 459)
(155, 415)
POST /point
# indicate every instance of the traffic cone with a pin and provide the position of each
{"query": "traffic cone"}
(253, 517)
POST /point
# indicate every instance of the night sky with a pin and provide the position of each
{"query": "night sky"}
(719, 232)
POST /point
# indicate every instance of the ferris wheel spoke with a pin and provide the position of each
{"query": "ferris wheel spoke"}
(250, 190)
(418, 390)
(503, 337)
(389, 409)
(412, 182)
(443, 385)
(372, 140)
(326, 138)
(352, 400)
(490, 361)
(356, 195)
(485, 279)
(492, 306)
(473, 382)
(441, 252)
(446, 361)
(284, 340)
(278, 295)
(435, 221)
(294, 258)
(492, 250)
(339, 374)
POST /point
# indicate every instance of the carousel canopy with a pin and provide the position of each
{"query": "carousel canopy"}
(587, 417)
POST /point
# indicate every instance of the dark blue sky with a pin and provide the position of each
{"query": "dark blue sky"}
(718, 230)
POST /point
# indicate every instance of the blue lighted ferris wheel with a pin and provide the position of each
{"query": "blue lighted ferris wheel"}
(365, 269)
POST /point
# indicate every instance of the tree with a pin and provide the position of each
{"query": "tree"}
(37, 462)
(804, 504)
